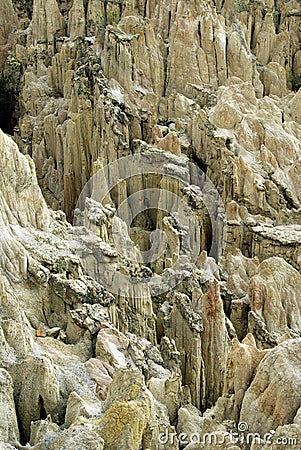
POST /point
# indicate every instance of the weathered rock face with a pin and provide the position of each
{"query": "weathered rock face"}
(21, 197)
(266, 405)
(35, 375)
(144, 60)
(122, 330)
(242, 363)
(49, 435)
(277, 283)
(9, 425)
(8, 24)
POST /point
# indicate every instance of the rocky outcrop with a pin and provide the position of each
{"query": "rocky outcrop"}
(276, 282)
(48, 435)
(242, 363)
(48, 375)
(194, 325)
(218, 50)
(9, 426)
(284, 436)
(21, 200)
(8, 24)
(271, 399)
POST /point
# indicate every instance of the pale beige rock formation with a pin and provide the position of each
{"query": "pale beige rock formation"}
(48, 435)
(242, 363)
(8, 24)
(274, 295)
(37, 376)
(199, 330)
(47, 22)
(271, 399)
(9, 431)
(284, 436)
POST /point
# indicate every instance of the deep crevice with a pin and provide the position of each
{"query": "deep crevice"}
(8, 118)
(23, 440)
(43, 413)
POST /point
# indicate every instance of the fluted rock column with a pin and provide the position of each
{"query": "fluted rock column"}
(47, 21)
